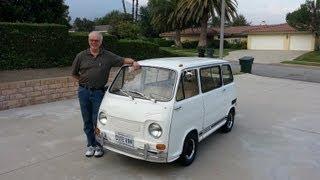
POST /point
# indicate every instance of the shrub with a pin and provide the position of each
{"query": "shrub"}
(136, 49)
(190, 44)
(126, 30)
(216, 44)
(31, 45)
(239, 45)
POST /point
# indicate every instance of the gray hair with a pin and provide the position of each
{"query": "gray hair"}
(96, 33)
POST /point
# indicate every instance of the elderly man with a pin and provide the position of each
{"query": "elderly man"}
(91, 68)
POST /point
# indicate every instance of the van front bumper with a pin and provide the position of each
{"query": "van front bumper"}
(144, 153)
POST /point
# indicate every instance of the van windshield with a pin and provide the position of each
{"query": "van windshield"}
(152, 83)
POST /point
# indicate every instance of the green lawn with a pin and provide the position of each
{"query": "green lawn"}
(191, 52)
(309, 59)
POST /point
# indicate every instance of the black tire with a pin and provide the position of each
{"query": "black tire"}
(227, 127)
(189, 152)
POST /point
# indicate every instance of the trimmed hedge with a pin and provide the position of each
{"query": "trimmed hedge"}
(190, 44)
(31, 45)
(49, 45)
(136, 49)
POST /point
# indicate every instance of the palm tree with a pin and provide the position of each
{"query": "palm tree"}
(124, 7)
(137, 8)
(199, 11)
(133, 10)
(164, 17)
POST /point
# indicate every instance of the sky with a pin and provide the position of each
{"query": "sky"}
(255, 11)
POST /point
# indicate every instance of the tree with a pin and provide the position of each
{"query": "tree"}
(34, 11)
(126, 30)
(137, 8)
(132, 10)
(200, 11)
(83, 24)
(124, 7)
(164, 17)
(113, 18)
(146, 28)
(239, 21)
(307, 18)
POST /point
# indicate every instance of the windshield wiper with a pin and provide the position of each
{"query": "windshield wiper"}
(143, 95)
(125, 93)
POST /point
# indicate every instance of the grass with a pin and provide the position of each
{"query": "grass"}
(308, 59)
(191, 52)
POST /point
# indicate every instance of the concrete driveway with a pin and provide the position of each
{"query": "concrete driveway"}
(265, 56)
(276, 136)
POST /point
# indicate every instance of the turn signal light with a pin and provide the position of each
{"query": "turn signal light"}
(161, 147)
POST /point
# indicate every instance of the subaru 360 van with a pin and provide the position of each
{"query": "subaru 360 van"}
(160, 112)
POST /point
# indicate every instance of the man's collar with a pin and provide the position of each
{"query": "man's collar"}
(100, 51)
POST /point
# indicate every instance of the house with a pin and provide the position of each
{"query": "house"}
(259, 37)
(102, 28)
(280, 37)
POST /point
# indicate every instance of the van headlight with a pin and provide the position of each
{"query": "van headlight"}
(155, 130)
(103, 118)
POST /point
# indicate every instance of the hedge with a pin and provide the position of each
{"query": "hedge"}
(31, 45)
(49, 45)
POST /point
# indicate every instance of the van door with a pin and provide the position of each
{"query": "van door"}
(188, 111)
(228, 87)
(212, 93)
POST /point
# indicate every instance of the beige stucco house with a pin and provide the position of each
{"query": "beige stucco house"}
(280, 37)
(260, 37)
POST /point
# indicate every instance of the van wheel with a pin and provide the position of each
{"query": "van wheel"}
(227, 127)
(189, 151)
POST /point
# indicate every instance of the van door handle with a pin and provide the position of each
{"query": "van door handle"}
(178, 108)
(224, 90)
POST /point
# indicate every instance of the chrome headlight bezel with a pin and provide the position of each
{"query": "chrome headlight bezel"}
(103, 118)
(155, 130)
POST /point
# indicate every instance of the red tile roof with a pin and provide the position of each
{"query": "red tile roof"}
(273, 28)
(237, 30)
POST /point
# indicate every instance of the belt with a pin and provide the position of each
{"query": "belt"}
(91, 88)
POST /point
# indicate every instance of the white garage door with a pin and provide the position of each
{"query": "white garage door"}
(301, 42)
(271, 42)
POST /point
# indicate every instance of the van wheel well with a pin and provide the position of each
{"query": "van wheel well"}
(194, 133)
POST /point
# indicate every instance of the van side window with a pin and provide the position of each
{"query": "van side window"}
(210, 78)
(227, 74)
(188, 85)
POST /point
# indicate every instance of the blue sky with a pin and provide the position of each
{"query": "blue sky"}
(271, 11)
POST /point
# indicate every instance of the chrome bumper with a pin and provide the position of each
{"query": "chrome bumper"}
(138, 153)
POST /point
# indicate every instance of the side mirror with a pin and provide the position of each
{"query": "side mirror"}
(105, 88)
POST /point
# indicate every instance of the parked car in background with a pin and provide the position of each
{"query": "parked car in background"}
(162, 111)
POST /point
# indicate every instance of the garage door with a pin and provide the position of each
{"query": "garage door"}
(263, 42)
(301, 42)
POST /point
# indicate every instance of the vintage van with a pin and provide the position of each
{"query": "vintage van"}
(161, 111)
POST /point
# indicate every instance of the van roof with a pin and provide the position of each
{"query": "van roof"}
(179, 63)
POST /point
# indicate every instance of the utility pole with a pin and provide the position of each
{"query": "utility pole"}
(222, 28)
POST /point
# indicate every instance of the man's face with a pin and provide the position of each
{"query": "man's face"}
(94, 42)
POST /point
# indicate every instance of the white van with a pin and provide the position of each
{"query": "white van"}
(162, 111)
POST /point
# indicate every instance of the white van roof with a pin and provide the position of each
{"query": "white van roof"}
(179, 63)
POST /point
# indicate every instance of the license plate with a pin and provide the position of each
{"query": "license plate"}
(124, 140)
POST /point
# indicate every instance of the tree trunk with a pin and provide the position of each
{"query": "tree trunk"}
(133, 10)
(124, 7)
(203, 31)
(317, 42)
(137, 9)
(177, 38)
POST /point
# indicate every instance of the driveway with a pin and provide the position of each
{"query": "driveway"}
(265, 56)
(276, 136)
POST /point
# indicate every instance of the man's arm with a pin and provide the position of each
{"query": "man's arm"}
(75, 68)
(131, 62)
